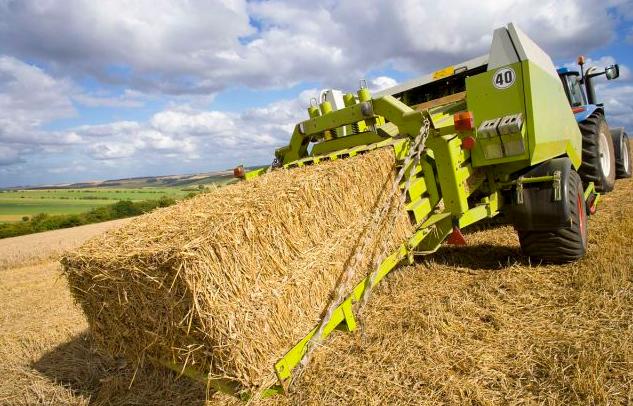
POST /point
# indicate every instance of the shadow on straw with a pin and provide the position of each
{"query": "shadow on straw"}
(480, 257)
(80, 367)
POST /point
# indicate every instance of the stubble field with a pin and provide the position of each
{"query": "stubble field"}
(476, 324)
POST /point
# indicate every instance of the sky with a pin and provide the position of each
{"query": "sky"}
(122, 88)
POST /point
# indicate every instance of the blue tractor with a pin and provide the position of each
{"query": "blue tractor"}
(605, 153)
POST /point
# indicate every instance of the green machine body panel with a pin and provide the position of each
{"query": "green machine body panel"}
(487, 102)
(552, 128)
(548, 130)
(520, 107)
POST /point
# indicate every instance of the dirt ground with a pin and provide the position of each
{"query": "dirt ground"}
(476, 325)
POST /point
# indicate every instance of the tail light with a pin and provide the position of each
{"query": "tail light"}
(577, 109)
(468, 143)
(464, 121)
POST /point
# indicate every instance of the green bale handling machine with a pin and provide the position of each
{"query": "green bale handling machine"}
(491, 136)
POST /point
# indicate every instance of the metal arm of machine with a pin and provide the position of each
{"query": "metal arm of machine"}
(407, 120)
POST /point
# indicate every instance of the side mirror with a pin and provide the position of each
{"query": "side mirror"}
(612, 72)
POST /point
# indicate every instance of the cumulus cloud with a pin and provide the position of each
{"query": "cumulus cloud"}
(213, 138)
(118, 140)
(29, 96)
(121, 54)
(200, 47)
(8, 155)
(111, 150)
(619, 105)
(111, 39)
(127, 99)
(382, 83)
(193, 122)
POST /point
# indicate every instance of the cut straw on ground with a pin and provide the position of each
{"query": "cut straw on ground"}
(482, 325)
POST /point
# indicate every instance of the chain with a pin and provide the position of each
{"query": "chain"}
(417, 148)
(377, 220)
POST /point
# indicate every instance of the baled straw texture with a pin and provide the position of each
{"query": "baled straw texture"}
(228, 281)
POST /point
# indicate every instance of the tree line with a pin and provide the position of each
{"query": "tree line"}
(46, 222)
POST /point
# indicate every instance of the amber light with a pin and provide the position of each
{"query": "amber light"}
(464, 121)
(238, 172)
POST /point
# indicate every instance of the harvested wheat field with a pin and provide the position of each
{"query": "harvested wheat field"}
(33, 248)
(475, 324)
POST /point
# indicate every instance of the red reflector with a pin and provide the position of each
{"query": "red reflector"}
(456, 237)
(238, 172)
(468, 143)
(464, 121)
(592, 209)
(577, 109)
(591, 204)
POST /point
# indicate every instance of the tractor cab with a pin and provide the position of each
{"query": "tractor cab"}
(579, 87)
(605, 151)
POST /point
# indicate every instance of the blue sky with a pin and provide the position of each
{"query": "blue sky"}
(102, 90)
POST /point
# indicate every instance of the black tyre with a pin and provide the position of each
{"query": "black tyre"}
(623, 167)
(598, 155)
(565, 244)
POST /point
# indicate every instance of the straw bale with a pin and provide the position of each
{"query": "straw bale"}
(228, 281)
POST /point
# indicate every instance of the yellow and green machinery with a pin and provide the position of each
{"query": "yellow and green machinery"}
(499, 138)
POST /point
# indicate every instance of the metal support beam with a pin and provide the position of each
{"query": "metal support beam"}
(453, 180)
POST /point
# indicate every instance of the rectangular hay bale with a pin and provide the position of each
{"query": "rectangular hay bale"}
(228, 281)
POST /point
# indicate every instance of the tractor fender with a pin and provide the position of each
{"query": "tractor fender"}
(589, 110)
(540, 210)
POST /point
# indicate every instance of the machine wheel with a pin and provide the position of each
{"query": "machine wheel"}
(598, 155)
(623, 167)
(565, 244)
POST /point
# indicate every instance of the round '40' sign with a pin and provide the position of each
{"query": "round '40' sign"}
(504, 78)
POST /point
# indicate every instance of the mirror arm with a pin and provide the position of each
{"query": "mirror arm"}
(593, 75)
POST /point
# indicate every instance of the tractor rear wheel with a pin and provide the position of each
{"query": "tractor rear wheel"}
(565, 244)
(598, 154)
(623, 167)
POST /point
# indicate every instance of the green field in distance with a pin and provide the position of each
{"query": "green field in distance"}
(15, 204)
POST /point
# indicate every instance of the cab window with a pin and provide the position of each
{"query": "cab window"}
(576, 97)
